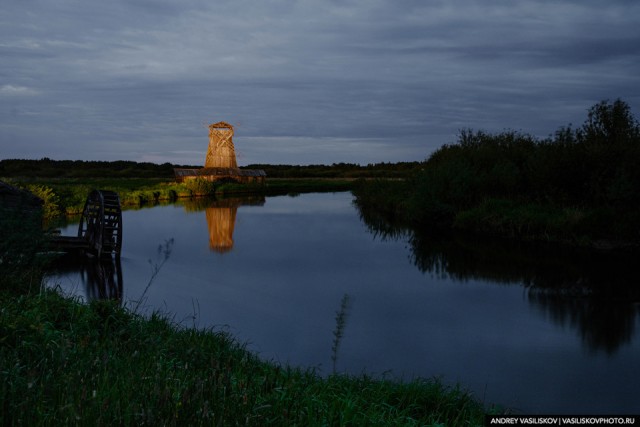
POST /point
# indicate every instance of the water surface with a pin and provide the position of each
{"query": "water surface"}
(517, 329)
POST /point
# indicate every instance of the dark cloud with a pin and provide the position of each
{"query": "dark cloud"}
(309, 82)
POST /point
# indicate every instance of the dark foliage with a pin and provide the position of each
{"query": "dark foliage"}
(339, 170)
(48, 168)
(22, 246)
(575, 184)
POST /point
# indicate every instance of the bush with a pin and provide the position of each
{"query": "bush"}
(21, 242)
(479, 166)
(51, 207)
(200, 187)
(546, 182)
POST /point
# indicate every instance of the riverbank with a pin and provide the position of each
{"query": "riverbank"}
(580, 187)
(66, 196)
(68, 363)
(64, 362)
(602, 228)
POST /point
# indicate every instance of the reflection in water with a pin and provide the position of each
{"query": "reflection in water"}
(221, 218)
(593, 292)
(603, 324)
(221, 221)
(101, 277)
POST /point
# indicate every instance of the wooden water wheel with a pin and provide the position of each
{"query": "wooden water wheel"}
(101, 223)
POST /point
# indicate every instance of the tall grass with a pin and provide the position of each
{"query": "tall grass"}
(68, 363)
(164, 252)
(69, 194)
(338, 332)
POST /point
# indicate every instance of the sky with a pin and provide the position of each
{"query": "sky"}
(303, 81)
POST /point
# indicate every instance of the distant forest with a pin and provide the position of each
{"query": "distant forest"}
(47, 168)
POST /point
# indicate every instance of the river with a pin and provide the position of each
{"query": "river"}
(534, 330)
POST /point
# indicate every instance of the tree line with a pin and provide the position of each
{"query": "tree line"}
(47, 168)
(339, 170)
(575, 184)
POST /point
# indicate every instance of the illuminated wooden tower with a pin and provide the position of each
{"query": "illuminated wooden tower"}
(221, 153)
(220, 163)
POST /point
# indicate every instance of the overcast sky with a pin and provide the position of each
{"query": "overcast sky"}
(304, 82)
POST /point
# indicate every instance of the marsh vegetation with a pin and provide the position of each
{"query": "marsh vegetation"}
(579, 186)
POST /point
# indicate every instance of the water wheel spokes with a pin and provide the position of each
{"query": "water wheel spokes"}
(101, 223)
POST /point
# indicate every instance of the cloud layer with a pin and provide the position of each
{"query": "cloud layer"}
(304, 81)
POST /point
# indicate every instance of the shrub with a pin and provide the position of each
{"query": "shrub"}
(21, 242)
(200, 187)
(582, 171)
(51, 207)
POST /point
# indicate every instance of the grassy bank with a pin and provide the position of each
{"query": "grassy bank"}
(68, 363)
(63, 362)
(47, 168)
(580, 186)
(68, 195)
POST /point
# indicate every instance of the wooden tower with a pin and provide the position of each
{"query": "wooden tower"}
(220, 163)
(221, 153)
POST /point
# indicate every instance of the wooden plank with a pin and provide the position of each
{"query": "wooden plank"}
(70, 242)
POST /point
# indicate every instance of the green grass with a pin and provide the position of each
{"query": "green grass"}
(68, 363)
(533, 221)
(277, 186)
(71, 193)
(68, 195)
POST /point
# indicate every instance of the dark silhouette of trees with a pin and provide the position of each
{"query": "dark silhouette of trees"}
(575, 183)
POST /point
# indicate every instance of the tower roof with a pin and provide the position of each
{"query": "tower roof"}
(221, 125)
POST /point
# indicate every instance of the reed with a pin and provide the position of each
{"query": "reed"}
(164, 252)
(338, 332)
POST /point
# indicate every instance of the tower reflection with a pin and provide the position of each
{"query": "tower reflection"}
(221, 221)
(221, 218)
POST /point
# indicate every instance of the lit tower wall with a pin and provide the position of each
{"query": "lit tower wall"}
(221, 153)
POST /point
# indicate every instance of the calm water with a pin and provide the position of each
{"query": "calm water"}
(510, 324)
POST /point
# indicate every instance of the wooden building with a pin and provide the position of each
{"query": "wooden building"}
(220, 163)
(16, 199)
